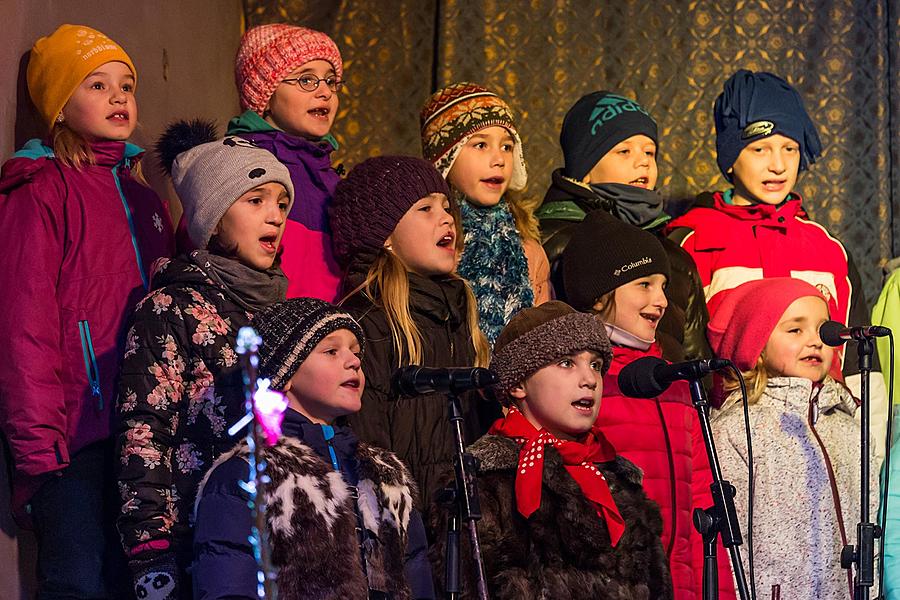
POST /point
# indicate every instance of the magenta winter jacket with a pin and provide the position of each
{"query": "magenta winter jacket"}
(75, 255)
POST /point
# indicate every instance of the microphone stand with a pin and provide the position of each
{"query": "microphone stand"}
(863, 554)
(466, 508)
(721, 518)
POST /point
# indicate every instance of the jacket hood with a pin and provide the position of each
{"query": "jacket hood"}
(180, 270)
(250, 122)
(792, 207)
(33, 156)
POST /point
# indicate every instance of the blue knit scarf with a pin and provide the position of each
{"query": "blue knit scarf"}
(494, 264)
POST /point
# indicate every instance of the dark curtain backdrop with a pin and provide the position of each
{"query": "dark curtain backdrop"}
(672, 56)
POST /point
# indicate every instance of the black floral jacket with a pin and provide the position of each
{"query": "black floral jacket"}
(180, 390)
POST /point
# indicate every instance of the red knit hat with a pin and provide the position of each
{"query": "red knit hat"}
(740, 326)
(268, 53)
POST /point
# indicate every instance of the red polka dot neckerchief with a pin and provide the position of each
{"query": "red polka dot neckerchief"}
(578, 459)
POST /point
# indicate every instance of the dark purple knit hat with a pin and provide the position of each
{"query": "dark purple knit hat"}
(373, 198)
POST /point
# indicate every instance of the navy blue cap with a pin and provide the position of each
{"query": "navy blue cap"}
(756, 105)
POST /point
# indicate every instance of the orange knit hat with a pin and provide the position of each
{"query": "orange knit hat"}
(61, 61)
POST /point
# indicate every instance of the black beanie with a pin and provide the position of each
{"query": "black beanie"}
(605, 253)
(595, 124)
(290, 330)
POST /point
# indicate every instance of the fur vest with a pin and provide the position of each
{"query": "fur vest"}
(563, 550)
(313, 523)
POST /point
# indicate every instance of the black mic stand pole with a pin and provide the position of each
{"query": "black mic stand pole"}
(721, 518)
(863, 554)
(467, 509)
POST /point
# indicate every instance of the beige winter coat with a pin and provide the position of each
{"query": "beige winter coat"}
(538, 270)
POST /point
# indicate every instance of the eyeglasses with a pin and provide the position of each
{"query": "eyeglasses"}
(310, 83)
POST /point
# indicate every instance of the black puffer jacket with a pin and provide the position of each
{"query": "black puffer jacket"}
(683, 326)
(562, 550)
(416, 429)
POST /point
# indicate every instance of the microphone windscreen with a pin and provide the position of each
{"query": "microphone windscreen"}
(830, 333)
(638, 379)
(482, 378)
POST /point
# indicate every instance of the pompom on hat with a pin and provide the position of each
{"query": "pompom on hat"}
(536, 337)
(60, 61)
(268, 53)
(741, 324)
(290, 331)
(753, 106)
(454, 113)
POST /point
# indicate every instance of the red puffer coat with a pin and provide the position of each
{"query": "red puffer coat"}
(662, 437)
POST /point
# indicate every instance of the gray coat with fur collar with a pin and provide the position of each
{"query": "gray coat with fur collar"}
(563, 550)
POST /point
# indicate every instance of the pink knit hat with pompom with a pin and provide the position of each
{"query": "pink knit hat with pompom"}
(269, 53)
(740, 325)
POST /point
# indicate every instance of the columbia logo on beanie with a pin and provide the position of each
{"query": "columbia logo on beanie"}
(633, 265)
(605, 253)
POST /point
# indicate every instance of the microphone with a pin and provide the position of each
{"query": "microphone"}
(833, 333)
(650, 376)
(415, 380)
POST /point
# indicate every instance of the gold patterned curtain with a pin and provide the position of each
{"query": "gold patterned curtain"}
(673, 57)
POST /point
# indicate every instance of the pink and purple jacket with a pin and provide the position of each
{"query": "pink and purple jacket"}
(307, 259)
(75, 257)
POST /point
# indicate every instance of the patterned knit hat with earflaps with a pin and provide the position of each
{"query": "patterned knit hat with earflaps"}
(453, 114)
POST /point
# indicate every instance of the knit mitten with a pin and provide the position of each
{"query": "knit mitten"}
(155, 578)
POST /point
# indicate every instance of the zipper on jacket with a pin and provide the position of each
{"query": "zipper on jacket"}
(90, 361)
(673, 530)
(812, 414)
(361, 533)
(134, 242)
(328, 434)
